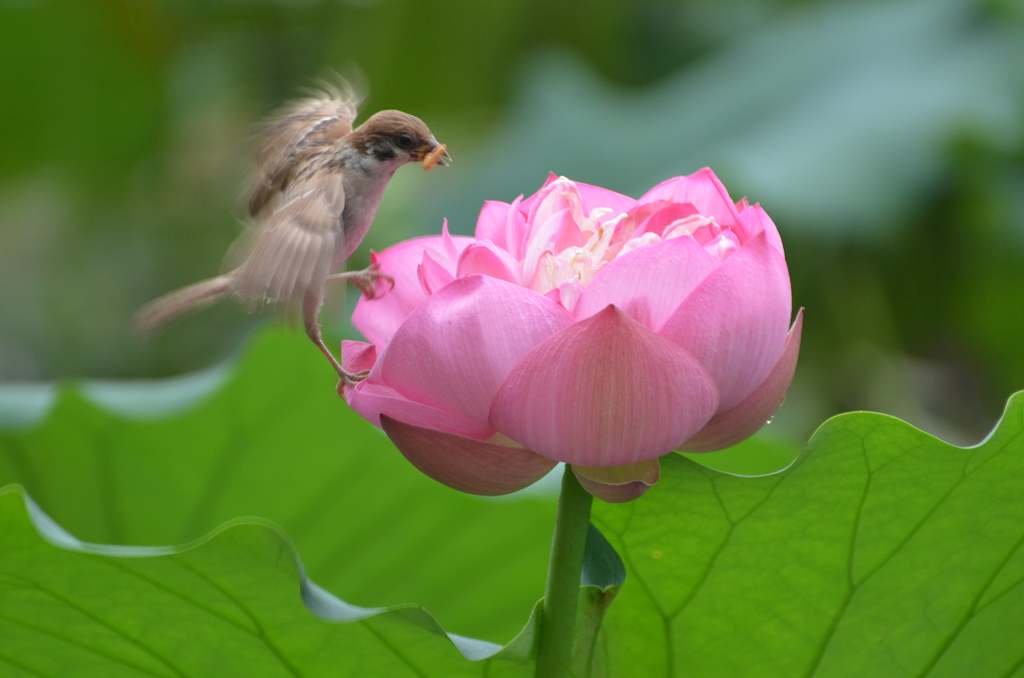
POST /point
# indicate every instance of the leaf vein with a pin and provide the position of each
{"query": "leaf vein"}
(104, 623)
(851, 587)
(970, 612)
(394, 650)
(11, 661)
(71, 640)
(260, 631)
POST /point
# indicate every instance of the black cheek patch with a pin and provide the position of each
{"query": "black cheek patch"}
(383, 153)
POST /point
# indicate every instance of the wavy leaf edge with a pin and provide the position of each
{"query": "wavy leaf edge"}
(322, 604)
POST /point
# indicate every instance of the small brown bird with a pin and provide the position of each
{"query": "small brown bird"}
(315, 194)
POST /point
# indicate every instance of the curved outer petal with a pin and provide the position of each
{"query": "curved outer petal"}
(456, 349)
(374, 401)
(378, 319)
(484, 258)
(648, 283)
(605, 392)
(735, 322)
(466, 464)
(703, 190)
(744, 420)
(754, 221)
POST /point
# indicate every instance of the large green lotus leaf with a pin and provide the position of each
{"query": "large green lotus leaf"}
(69, 607)
(237, 602)
(883, 552)
(229, 604)
(166, 462)
(159, 464)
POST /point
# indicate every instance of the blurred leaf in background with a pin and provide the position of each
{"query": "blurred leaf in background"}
(884, 138)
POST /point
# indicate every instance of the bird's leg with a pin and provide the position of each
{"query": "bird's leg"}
(311, 317)
(366, 280)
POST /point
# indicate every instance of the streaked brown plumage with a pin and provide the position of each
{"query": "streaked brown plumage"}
(316, 190)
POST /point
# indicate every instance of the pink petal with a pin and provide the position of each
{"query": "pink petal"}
(596, 196)
(449, 247)
(556, 217)
(735, 322)
(744, 420)
(357, 356)
(556, 198)
(516, 229)
(433, 276)
(605, 392)
(466, 464)
(644, 218)
(592, 196)
(455, 350)
(648, 283)
(703, 190)
(554, 224)
(754, 221)
(666, 213)
(378, 319)
(528, 202)
(374, 401)
(483, 258)
(490, 224)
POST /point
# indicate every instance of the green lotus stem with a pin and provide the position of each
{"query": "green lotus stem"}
(558, 614)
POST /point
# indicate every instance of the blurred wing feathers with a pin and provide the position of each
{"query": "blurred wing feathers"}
(294, 248)
(299, 130)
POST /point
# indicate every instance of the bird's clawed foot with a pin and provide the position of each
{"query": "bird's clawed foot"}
(353, 378)
(350, 380)
(371, 281)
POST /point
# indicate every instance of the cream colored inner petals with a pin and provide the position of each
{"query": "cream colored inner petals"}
(607, 236)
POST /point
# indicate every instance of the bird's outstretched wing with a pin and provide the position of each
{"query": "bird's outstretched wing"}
(293, 249)
(297, 131)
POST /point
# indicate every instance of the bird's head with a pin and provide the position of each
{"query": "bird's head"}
(395, 138)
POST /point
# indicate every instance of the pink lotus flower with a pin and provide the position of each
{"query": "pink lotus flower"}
(583, 326)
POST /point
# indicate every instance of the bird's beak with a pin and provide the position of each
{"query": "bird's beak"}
(437, 155)
(446, 159)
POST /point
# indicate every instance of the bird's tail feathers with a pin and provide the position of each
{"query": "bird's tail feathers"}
(164, 309)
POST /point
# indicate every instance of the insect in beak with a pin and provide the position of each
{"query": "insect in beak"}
(437, 156)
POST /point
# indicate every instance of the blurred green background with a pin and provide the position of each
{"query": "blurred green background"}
(885, 138)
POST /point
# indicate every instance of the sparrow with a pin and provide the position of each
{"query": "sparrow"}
(315, 193)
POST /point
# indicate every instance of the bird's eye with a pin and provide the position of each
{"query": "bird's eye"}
(405, 141)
